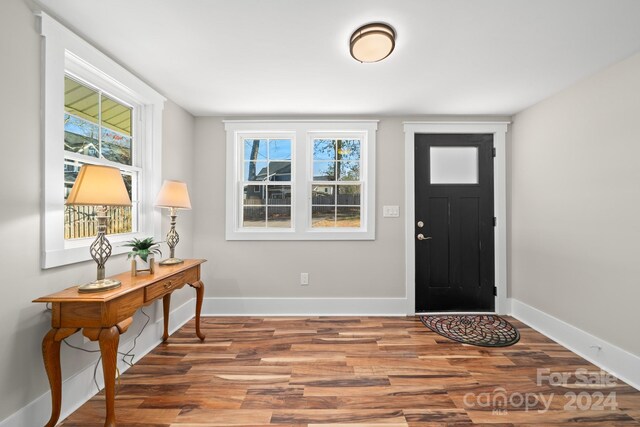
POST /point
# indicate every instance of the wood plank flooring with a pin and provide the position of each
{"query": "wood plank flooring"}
(352, 371)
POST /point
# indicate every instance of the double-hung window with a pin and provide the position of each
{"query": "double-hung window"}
(266, 181)
(95, 112)
(98, 129)
(336, 185)
(300, 180)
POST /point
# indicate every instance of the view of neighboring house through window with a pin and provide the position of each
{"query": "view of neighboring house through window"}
(300, 180)
(97, 130)
(266, 188)
(336, 186)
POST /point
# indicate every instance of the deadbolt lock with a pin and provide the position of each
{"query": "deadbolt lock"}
(420, 224)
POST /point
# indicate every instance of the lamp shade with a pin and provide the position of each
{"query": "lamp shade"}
(99, 185)
(173, 194)
(372, 42)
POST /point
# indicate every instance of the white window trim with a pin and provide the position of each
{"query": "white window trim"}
(65, 52)
(302, 131)
(239, 165)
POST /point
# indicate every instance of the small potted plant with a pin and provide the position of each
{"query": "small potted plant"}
(145, 249)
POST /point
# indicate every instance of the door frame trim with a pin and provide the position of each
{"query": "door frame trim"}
(499, 131)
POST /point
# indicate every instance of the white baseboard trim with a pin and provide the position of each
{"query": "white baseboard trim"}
(609, 357)
(304, 307)
(79, 388)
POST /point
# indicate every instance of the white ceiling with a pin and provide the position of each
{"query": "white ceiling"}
(264, 57)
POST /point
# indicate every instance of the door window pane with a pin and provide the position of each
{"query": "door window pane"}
(453, 165)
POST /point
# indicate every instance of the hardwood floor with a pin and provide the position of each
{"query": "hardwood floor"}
(355, 371)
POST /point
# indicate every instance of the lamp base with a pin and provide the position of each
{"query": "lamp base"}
(99, 286)
(171, 261)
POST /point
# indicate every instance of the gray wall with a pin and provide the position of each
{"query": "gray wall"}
(337, 269)
(271, 268)
(22, 376)
(575, 205)
(574, 202)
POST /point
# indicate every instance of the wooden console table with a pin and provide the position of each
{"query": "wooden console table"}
(104, 316)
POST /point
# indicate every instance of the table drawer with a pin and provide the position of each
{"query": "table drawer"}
(169, 284)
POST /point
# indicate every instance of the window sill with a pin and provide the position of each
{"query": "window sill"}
(308, 235)
(76, 253)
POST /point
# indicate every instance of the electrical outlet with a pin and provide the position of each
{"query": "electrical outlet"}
(304, 279)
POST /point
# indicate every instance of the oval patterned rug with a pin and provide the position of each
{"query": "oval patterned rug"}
(485, 330)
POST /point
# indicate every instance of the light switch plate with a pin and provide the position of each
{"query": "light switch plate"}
(391, 211)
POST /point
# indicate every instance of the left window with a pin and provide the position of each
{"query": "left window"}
(98, 130)
(95, 112)
(266, 182)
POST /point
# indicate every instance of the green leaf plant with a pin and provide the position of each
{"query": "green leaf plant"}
(142, 248)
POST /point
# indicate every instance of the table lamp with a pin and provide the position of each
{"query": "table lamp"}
(173, 195)
(99, 186)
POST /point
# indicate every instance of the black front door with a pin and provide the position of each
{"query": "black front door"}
(454, 222)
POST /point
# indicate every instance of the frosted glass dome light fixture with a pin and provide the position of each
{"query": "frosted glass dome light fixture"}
(372, 42)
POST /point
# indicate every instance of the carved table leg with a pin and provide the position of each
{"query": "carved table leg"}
(166, 303)
(109, 338)
(51, 356)
(199, 287)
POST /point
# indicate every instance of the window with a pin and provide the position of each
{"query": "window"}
(336, 186)
(98, 127)
(453, 165)
(266, 187)
(300, 180)
(95, 112)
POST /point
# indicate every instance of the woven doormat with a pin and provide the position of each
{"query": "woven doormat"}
(484, 330)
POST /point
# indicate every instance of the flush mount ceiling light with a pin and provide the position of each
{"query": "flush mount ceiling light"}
(372, 42)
